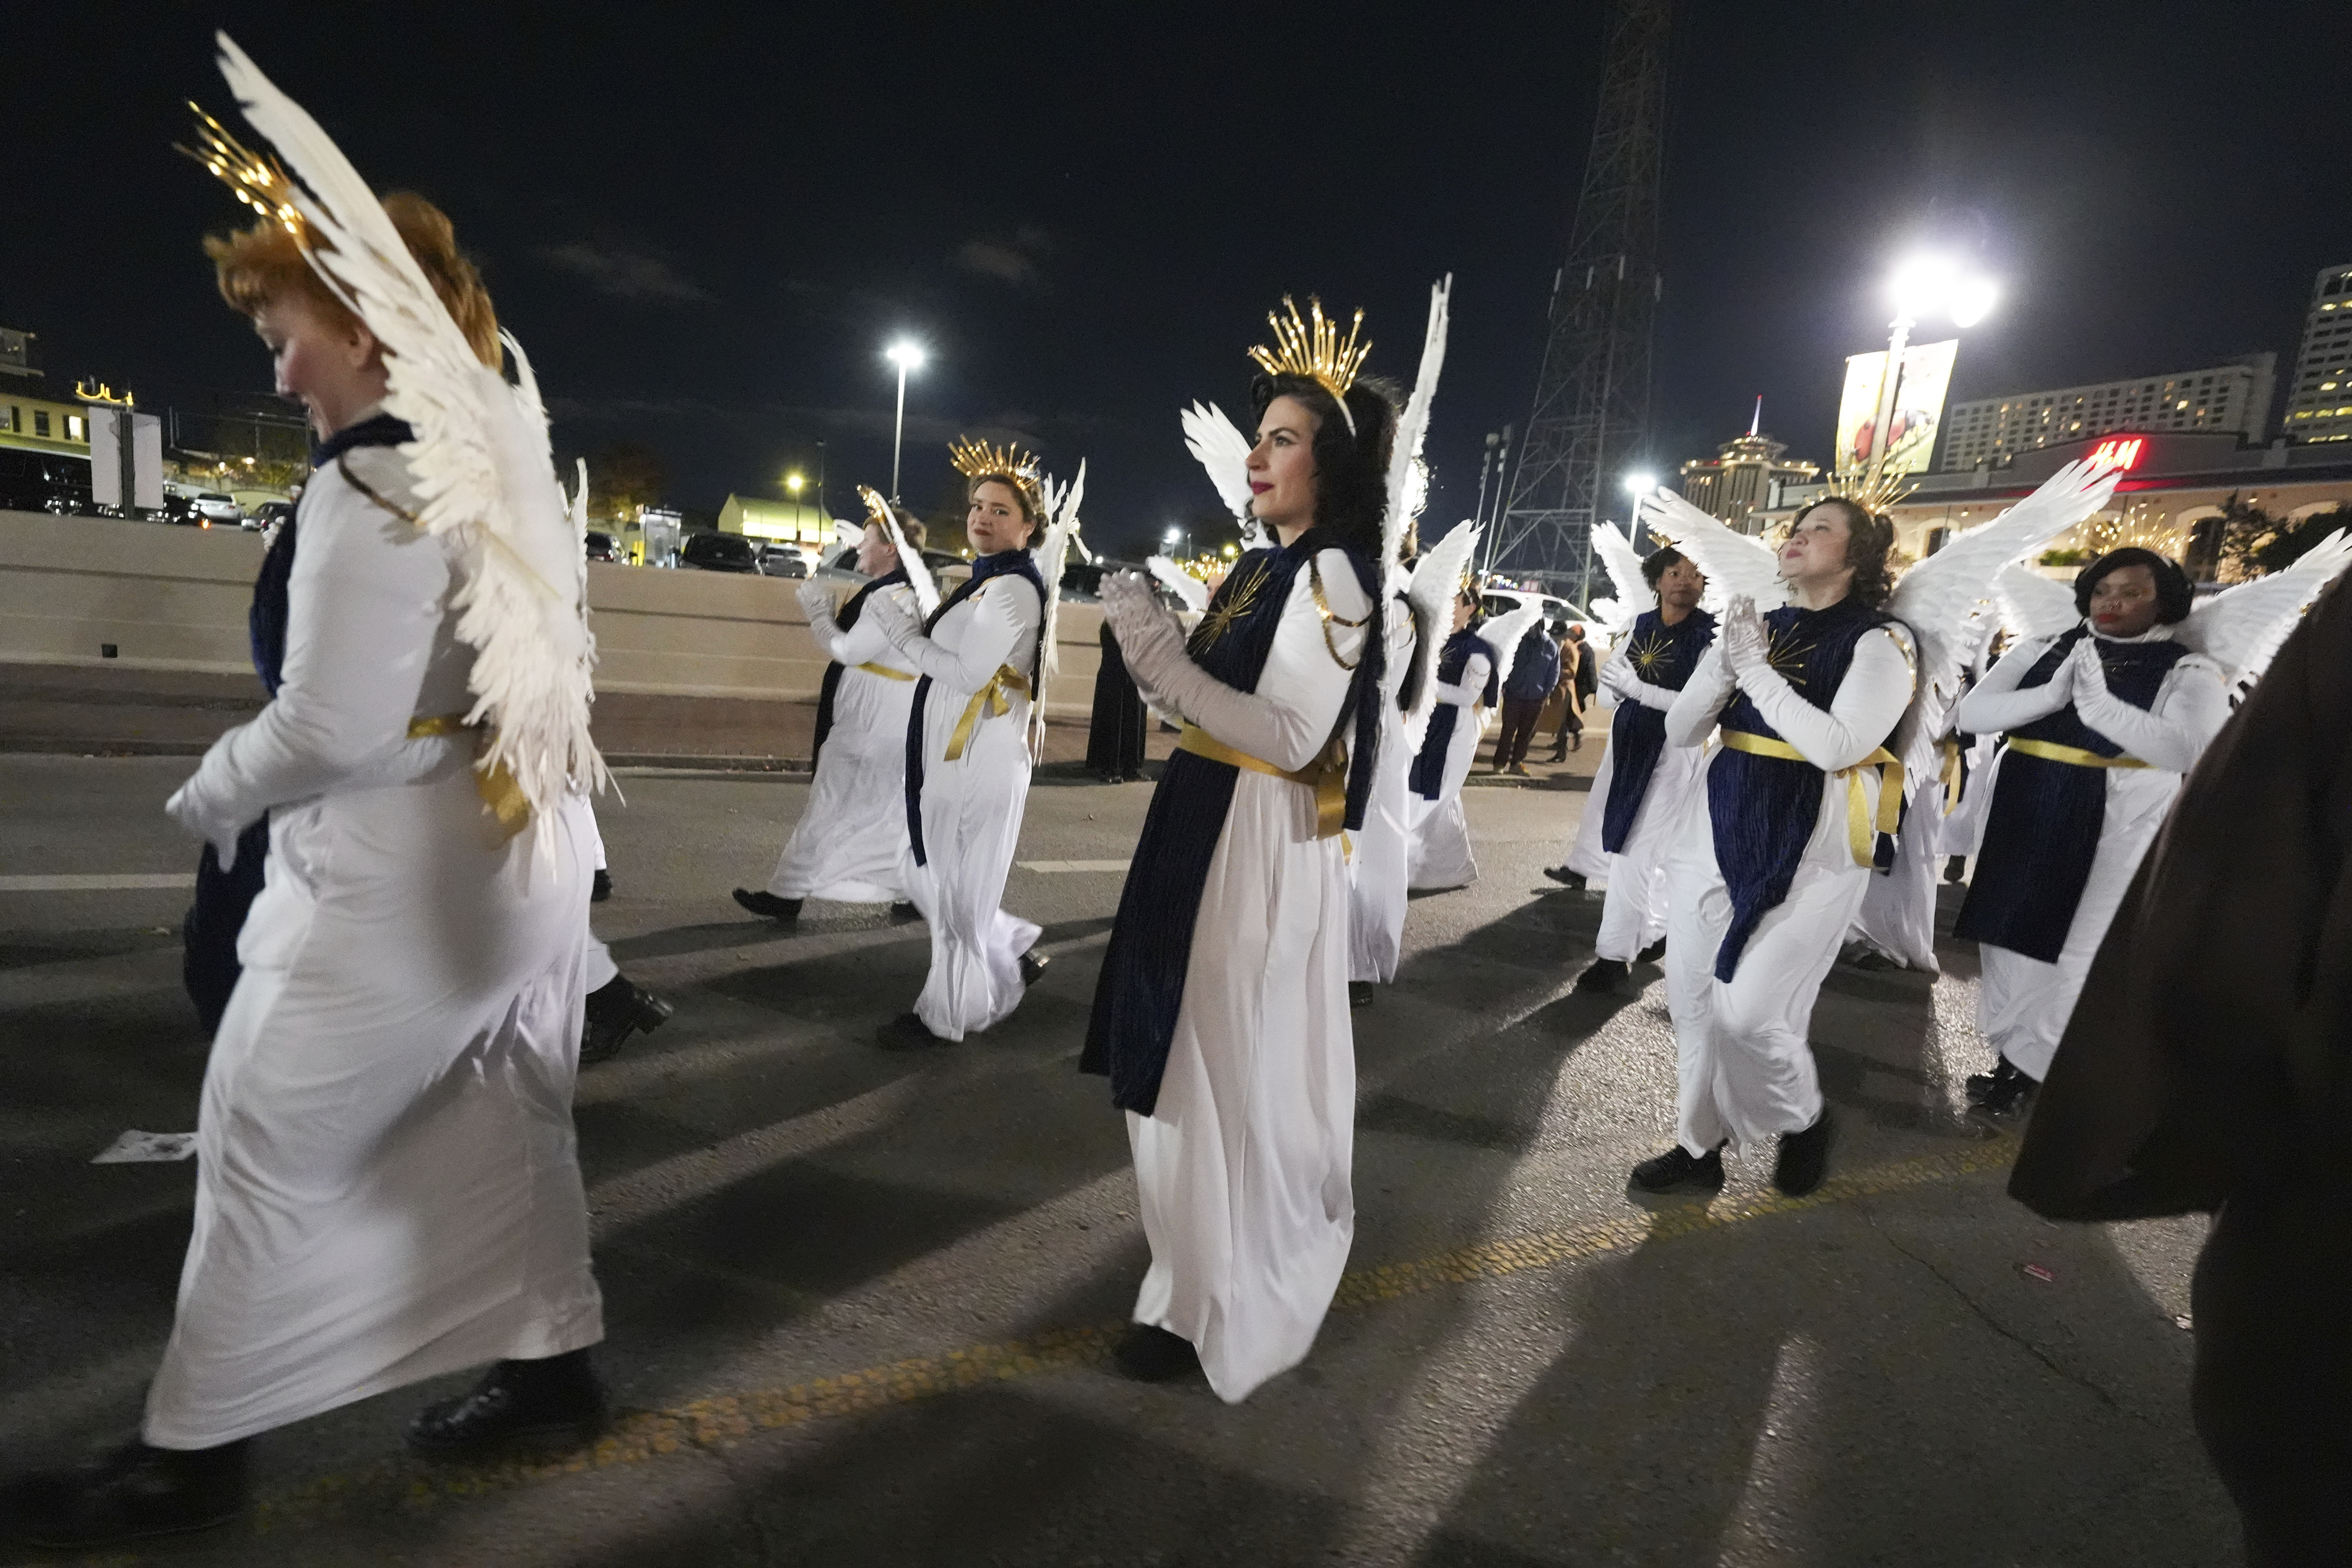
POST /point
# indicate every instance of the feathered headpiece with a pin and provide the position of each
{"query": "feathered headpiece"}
(976, 460)
(1311, 348)
(910, 560)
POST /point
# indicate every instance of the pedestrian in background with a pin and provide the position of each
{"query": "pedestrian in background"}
(1579, 680)
(1535, 672)
(1116, 729)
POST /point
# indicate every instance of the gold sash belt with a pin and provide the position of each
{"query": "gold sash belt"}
(989, 702)
(2051, 751)
(1326, 775)
(495, 785)
(1861, 832)
(884, 670)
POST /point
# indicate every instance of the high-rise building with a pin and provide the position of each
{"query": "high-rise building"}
(1739, 478)
(2235, 397)
(2319, 399)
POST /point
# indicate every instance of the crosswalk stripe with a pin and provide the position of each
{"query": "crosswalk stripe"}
(99, 883)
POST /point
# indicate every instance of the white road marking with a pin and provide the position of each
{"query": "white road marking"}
(1073, 864)
(129, 882)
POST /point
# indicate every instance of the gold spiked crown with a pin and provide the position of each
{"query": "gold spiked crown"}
(1873, 489)
(977, 461)
(1310, 347)
(261, 183)
(878, 510)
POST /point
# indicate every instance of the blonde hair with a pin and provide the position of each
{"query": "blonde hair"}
(257, 265)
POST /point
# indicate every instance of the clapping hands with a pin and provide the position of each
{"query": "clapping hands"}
(1747, 646)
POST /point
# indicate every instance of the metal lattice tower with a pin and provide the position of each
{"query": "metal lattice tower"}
(1592, 410)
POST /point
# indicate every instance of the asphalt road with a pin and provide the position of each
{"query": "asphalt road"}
(858, 1304)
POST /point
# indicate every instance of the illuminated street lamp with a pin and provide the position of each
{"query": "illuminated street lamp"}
(906, 356)
(1923, 285)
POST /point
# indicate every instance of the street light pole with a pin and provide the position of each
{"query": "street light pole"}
(906, 356)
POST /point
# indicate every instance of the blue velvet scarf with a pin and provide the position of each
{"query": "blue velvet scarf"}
(2041, 829)
(1427, 779)
(1150, 951)
(1663, 656)
(1005, 563)
(831, 684)
(208, 965)
(1764, 809)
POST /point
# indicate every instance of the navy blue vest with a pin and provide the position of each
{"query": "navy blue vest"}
(1663, 656)
(1143, 982)
(208, 965)
(1764, 809)
(1014, 563)
(1428, 777)
(2041, 831)
(831, 685)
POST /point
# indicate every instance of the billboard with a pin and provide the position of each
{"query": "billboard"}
(1918, 408)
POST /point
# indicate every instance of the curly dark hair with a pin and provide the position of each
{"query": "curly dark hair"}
(2174, 596)
(1869, 547)
(1658, 563)
(1351, 472)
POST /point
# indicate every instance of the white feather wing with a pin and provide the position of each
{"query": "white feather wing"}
(919, 581)
(2032, 605)
(1181, 582)
(1736, 565)
(2240, 629)
(481, 466)
(1221, 449)
(1506, 632)
(1436, 578)
(1633, 595)
(1412, 428)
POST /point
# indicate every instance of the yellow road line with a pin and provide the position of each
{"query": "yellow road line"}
(726, 1419)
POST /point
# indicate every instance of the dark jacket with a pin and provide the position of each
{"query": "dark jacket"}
(1534, 668)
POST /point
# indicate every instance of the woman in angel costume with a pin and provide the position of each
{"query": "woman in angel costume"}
(850, 844)
(1463, 688)
(2101, 721)
(1639, 790)
(386, 1185)
(1776, 849)
(968, 750)
(1222, 1016)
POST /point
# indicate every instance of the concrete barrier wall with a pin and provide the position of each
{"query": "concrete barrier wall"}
(175, 598)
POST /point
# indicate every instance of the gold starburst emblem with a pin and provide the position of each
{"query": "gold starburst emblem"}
(1220, 617)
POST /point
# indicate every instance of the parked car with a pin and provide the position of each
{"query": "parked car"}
(219, 510)
(43, 481)
(269, 513)
(720, 553)
(600, 546)
(782, 561)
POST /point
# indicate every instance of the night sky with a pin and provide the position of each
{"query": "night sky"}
(705, 223)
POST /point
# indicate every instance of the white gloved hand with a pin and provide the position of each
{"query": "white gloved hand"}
(1746, 648)
(814, 600)
(1617, 675)
(896, 618)
(192, 809)
(1149, 637)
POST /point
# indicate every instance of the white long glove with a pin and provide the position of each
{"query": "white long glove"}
(814, 600)
(1153, 642)
(896, 621)
(2191, 707)
(207, 819)
(1747, 648)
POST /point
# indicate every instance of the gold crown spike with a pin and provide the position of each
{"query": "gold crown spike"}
(1311, 348)
(261, 183)
(1873, 491)
(878, 510)
(976, 460)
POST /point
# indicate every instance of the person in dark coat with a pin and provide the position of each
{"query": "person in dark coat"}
(1115, 732)
(1581, 675)
(2208, 1065)
(1535, 671)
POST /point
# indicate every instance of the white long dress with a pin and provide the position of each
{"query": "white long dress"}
(387, 1187)
(1243, 1166)
(1745, 1070)
(850, 843)
(1633, 913)
(2023, 1004)
(1377, 865)
(972, 804)
(1896, 917)
(1439, 855)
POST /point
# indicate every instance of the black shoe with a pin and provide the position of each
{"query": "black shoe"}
(132, 1493)
(2002, 1092)
(602, 887)
(768, 906)
(1955, 868)
(1678, 1167)
(1033, 965)
(617, 1009)
(1604, 975)
(1577, 744)
(1360, 992)
(557, 1400)
(1805, 1157)
(908, 1031)
(906, 910)
(1564, 877)
(1153, 1356)
(1559, 756)
(1519, 769)
(1865, 957)
(1651, 953)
